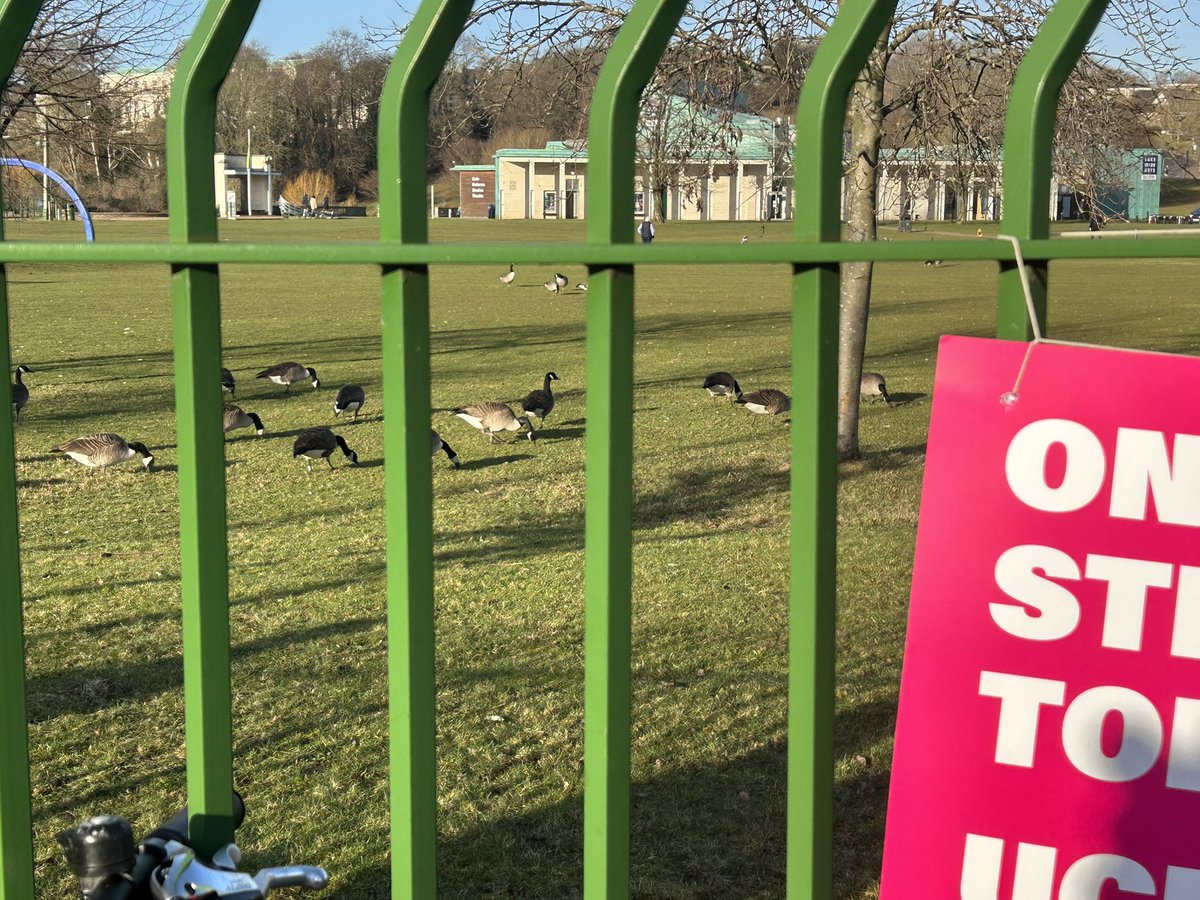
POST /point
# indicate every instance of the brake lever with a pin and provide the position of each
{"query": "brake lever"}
(183, 876)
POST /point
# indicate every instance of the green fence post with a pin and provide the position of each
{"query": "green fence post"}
(812, 642)
(195, 289)
(17, 18)
(403, 123)
(1028, 150)
(608, 558)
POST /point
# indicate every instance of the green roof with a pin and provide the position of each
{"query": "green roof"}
(750, 137)
(491, 168)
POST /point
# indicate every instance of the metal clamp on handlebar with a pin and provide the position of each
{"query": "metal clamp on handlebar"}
(163, 867)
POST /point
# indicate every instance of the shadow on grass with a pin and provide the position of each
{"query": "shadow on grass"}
(903, 399)
(715, 831)
(85, 690)
(489, 462)
(876, 460)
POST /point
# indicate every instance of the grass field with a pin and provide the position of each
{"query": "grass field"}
(100, 558)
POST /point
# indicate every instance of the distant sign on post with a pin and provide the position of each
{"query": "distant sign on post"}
(1150, 168)
(1048, 741)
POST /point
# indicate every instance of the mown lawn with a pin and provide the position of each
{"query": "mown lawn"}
(100, 557)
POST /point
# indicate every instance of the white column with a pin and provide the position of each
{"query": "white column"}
(561, 190)
(737, 192)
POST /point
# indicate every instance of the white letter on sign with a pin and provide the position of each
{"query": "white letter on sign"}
(1182, 884)
(1141, 735)
(982, 860)
(1183, 759)
(1025, 465)
(1021, 699)
(1185, 637)
(1141, 467)
(1125, 605)
(1057, 608)
(1087, 877)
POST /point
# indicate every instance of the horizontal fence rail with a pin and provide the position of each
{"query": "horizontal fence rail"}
(798, 253)
(404, 256)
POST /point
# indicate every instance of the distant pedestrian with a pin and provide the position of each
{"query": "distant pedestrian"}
(303, 206)
(325, 202)
(646, 230)
(312, 206)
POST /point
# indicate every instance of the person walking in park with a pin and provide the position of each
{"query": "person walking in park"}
(646, 231)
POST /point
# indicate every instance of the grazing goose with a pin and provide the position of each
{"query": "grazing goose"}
(440, 444)
(492, 417)
(319, 443)
(540, 403)
(236, 417)
(288, 373)
(551, 286)
(20, 393)
(873, 385)
(350, 398)
(767, 402)
(745, 239)
(561, 280)
(99, 451)
(508, 278)
(228, 385)
(933, 262)
(582, 286)
(722, 384)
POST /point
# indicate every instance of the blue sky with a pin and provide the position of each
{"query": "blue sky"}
(287, 26)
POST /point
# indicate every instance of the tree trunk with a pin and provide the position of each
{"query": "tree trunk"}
(864, 119)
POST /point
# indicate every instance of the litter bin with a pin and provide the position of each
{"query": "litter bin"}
(905, 223)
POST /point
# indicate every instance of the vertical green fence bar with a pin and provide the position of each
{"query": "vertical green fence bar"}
(608, 527)
(1028, 152)
(812, 616)
(16, 821)
(403, 124)
(195, 291)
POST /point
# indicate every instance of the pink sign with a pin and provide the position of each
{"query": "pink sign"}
(1048, 743)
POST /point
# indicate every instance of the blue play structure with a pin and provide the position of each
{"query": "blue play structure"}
(88, 230)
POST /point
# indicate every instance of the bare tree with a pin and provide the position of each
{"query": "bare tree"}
(85, 83)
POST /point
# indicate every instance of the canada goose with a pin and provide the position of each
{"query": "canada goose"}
(722, 384)
(288, 373)
(440, 444)
(873, 385)
(582, 286)
(228, 384)
(540, 403)
(768, 402)
(561, 280)
(492, 417)
(511, 274)
(99, 451)
(350, 398)
(551, 286)
(319, 443)
(933, 262)
(745, 239)
(236, 417)
(20, 393)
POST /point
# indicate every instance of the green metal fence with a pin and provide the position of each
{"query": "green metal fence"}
(404, 257)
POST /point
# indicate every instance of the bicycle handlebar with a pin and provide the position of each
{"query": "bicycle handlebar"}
(101, 853)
